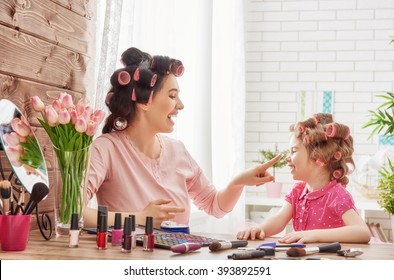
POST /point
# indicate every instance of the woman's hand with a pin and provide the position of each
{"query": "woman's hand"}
(257, 175)
(161, 211)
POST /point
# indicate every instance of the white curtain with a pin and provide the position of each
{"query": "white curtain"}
(208, 36)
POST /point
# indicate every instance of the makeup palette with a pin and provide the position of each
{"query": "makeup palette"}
(166, 240)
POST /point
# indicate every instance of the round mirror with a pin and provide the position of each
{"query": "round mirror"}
(21, 146)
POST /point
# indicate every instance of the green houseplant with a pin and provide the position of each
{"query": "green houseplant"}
(382, 119)
(273, 188)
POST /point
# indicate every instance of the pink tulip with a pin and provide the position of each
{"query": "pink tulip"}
(64, 116)
(57, 106)
(61, 96)
(11, 139)
(73, 114)
(37, 104)
(87, 112)
(51, 116)
(80, 107)
(81, 125)
(14, 153)
(92, 128)
(98, 116)
(20, 127)
(67, 101)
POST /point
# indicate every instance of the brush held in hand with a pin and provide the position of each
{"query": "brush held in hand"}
(38, 193)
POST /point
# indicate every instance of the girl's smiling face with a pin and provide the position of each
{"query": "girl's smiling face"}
(298, 160)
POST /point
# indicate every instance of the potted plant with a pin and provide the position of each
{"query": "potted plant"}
(382, 119)
(273, 188)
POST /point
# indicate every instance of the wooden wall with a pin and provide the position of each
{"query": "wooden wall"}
(45, 48)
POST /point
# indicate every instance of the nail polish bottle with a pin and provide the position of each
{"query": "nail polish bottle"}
(133, 233)
(127, 238)
(101, 210)
(117, 231)
(74, 231)
(149, 240)
(102, 234)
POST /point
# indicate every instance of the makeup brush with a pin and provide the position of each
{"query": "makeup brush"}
(5, 190)
(300, 252)
(21, 202)
(38, 193)
(222, 245)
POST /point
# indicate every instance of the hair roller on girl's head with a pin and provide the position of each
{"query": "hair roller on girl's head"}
(301, 128)
(337, 155)
(331, 130)
(147, 78)
(337, 174)
(124, 78)
(336, 130)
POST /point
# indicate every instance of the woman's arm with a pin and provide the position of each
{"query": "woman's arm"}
(354, 231)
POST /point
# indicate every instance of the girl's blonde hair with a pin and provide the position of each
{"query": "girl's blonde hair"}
(328, 143)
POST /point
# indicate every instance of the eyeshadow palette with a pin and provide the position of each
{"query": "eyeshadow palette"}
(166, 240)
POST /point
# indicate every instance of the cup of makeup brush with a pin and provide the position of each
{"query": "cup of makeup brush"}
(15, 232)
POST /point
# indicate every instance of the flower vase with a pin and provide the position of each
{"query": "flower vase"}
(71, 191)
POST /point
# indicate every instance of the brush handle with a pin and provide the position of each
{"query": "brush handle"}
(330, 248)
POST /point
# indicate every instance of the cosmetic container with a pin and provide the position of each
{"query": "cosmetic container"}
(101, 210)
(74, 231)
(117, 231)
(149, 241)
(102, 234)
(127, 238)
(133, 233)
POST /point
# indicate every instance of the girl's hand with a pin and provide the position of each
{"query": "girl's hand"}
(307, 236)
(251, 233)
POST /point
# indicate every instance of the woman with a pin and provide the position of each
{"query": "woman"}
(137, 170)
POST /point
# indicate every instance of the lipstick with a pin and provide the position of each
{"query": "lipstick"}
(185, 247)
(127, 238)
(149, 240)
(102, 234)
(222, 245)
(74, 231)
(117, 231)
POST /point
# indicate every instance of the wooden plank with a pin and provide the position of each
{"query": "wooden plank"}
(25, 56)
(19, 91)
(48, 21)
(81, 7)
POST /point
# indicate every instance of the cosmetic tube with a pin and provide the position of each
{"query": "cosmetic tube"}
(149, 240)
(102, 234)
(117, 231)
(133, 233)
(74, 231)
(127, 238)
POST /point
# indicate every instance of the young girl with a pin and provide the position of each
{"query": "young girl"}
(321, 208)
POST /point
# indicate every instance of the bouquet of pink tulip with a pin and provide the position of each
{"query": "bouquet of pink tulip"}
(71, 129)
(22, 146)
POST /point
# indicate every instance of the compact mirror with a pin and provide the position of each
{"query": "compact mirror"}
(21, 146)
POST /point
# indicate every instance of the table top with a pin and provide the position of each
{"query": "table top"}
(57, 249)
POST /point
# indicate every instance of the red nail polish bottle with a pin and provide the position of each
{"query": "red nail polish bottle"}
(127, 238)
(149, 241)
(117, 231)
(102, 234)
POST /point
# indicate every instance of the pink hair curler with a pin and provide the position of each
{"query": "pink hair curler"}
(331, 130)
(179, 70)
(337, 174)
(108, 97)
(136, 75)
(133, 96)
(153, 80)
(124, 78)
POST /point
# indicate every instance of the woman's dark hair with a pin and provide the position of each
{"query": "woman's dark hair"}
(139, 80)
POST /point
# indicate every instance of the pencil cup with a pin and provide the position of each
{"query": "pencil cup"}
(14, 232)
